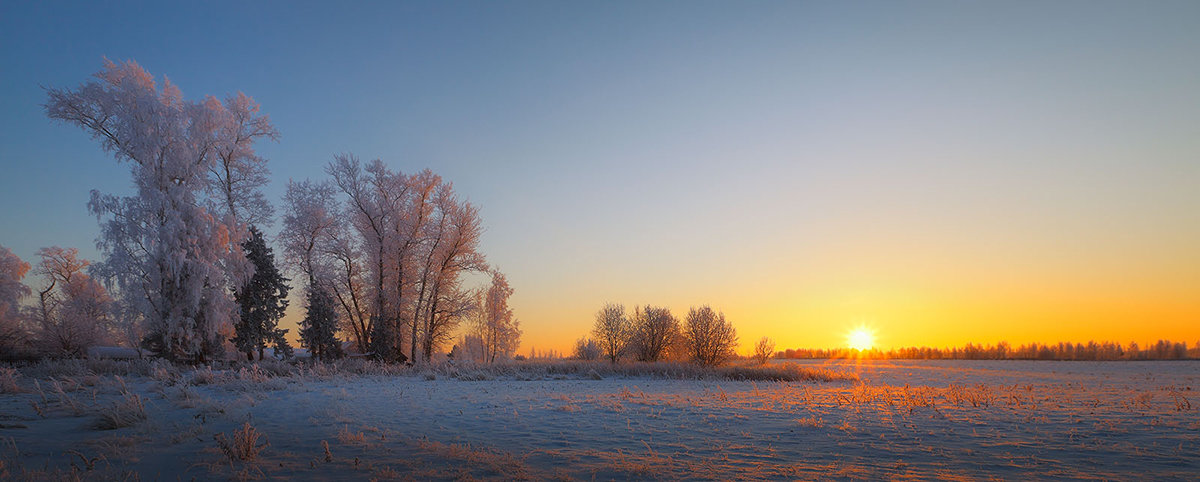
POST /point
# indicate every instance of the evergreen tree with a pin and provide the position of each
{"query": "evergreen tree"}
(319, 327)
(262, 301)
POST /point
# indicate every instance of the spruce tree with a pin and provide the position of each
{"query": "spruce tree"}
(319, 327)
(262, 300)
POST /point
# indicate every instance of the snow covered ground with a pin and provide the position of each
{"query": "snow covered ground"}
(926, 419)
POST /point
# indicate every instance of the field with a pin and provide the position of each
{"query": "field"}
(563, 420)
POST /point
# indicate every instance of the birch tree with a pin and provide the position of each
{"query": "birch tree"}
(501, 332)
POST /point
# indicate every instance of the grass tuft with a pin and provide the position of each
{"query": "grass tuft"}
(125, 413)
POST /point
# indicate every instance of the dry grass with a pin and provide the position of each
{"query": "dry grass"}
(270, 374)
(125, 413)
(501, 465)
(596, 370)
(244, 444)
(8, 381)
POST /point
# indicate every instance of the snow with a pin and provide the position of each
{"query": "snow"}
(928, 419)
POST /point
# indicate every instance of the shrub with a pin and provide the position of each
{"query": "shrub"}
(763, 350)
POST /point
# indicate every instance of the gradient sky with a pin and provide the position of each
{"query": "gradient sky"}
(943, 172)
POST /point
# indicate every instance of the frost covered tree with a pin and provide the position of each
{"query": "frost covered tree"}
(763, 350)
(318, 330)
(501, 332)
(587, 349)
(613, 331)
(453, 248)
(262, 302)
(12, 334)
(238, 175)
(709, 337)
(310, 222)
(173, 248)
(73, 312)
(371, 207)
(654, 330)
(320, 244)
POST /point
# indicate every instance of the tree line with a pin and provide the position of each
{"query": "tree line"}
(1090, 351)
(381, 256)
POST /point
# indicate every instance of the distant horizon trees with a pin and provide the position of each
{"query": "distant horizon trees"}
(1064, 351)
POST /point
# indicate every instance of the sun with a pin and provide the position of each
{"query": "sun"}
(861, 339)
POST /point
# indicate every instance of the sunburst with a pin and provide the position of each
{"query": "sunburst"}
(861, 338)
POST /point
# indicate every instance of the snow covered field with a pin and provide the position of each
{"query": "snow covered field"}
(928, 419)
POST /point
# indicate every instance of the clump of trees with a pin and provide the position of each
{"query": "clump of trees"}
(392, 249)
(381, 255)
(653, 334)
(71, 311)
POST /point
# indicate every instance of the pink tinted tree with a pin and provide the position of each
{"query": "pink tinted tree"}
(12, 269)
(74, 312)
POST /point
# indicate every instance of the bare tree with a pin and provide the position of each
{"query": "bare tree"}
(763, 350)
(654, 329)
(710, 338)
(456, 251)
(371, 206)
(348, 283)
(613, 331)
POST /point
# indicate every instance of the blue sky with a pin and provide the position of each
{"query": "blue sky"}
(798, 164)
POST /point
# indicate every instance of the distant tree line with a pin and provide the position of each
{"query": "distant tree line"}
(1090, 351)
(381, 256)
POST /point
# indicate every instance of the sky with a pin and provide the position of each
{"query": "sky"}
(939, 172)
